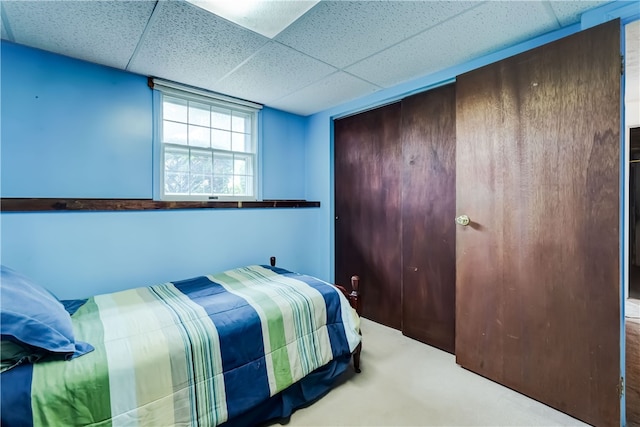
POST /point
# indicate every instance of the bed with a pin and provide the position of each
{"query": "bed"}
(240, 347)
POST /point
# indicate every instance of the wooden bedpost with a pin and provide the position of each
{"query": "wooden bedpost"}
(354, 296)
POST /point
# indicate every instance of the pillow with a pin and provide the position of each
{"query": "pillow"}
(35, 321)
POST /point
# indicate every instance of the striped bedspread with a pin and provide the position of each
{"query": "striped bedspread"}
(195, 352)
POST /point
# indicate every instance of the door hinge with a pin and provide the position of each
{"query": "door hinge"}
(621, 387)
(621, 65)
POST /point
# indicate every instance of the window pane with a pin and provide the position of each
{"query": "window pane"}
(220, 118)
(174, 133)
(223, 164)
(174, 109)
(221, 139)
(241, 142)
(176, 183)
(199, 114)
(239, 166)
(223, 184)
(201, 162)
(176, 160)
(242, 165)
(201, 184)
(241, 122)
(198, 136)
(240, 185)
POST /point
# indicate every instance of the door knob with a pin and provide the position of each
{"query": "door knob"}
(463, 220)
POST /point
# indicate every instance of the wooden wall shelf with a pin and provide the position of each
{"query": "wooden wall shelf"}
(41, 205)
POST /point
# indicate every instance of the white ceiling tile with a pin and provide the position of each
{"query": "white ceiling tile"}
(332, 90)
(343, 32)
(274, 71)
(485, 29)
(190, 45)
(569, 12)
(104, 32)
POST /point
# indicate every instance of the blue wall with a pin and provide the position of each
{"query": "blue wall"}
(76, 129)
(84, 253)
(283, 151)
(73, 129)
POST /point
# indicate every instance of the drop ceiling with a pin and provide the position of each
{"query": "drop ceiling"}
(335, 52)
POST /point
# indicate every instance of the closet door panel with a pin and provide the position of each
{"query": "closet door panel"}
(538, 149)
(367, 165)
(428, 211)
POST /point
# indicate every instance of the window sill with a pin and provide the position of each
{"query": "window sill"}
(40, 205)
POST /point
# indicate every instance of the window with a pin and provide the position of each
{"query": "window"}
(207, 145)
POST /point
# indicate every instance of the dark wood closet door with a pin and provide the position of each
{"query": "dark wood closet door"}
(538, 173)
(428, 209)
(367, 166)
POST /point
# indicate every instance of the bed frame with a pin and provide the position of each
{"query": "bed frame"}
(354, 299)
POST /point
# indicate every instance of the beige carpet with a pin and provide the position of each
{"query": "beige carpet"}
(404, 382)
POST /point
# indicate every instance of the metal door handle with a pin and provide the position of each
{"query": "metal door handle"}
(463, 220)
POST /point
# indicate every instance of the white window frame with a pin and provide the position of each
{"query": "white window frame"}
(162, 88)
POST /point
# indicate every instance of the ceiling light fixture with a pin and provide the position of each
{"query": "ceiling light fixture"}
(266, 17)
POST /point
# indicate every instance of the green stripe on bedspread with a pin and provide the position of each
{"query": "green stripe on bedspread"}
(293, 317)
(70, 377)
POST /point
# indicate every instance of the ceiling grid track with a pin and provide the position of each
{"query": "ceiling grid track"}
(152, 18)
(552, 13)
(249, 58)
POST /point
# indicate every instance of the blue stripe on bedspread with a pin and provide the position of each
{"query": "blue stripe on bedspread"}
(15, 399)
(238, 343)
(73, 305)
